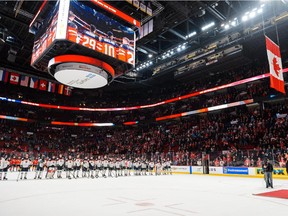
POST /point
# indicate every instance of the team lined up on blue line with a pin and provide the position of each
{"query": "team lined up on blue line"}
(102, 166)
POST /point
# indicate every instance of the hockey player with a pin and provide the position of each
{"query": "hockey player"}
(164, 167)
(2, 161)
(99, 167)
(104, 166)
(85, 167)
(123, 167)
(111, 167)
(137, 167)
(60, 166)
(69, 166)
(13, 164)
(35, 162)
(158, 168)
(77, 166)
(51, 167)
(24, 166)
(18, 163)
(39, 168)
(4, 165)
(151, 167)
(91, 167)
(129, 166)
(118, 168)
(143, 167)
(168, 166)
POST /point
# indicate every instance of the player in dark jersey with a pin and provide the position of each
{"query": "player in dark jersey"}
(39, 168)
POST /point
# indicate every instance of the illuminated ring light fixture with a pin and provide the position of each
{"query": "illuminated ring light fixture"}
(81, 71)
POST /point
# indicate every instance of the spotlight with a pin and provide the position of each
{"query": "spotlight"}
(252, 14)
(244, 18)
(207, 26)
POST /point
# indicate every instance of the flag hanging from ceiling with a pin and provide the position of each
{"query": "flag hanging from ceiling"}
(24, 80)
(51, 87)
(34, 82)
(67, 90)
(43, 85)
(275, 65)
(60, 89)
(14, 78)
(4, 75)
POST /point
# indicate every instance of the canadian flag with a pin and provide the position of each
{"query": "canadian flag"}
(275, 64)
(14, 78)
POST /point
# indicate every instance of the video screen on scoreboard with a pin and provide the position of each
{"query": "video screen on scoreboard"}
(94, 30)
(46, 34)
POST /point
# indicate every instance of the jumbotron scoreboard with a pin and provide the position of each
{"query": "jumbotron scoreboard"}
(80, 45)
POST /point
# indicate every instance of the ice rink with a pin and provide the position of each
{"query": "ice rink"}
(141, 196)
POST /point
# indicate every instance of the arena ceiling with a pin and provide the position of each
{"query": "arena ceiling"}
(173, 22)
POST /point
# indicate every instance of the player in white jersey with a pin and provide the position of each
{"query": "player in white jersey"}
(39, 168)
(104, 166)
(118, 168)
(168, 165)
(111, 167)
(143, 167)
(158, 168)
(91, 167)
(85, 167)
(25, 165)
(99, 166)
(4, 165)
(69, 163)
(60, 166)
(51, 167)
(77, 166)
(135, 166)
(129, 166)
(164, 167)
(151, 167)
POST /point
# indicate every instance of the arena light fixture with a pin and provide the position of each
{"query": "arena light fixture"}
(204, 28)
(191, 34)
(244, 18)
(150, 56)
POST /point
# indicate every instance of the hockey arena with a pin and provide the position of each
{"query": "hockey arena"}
(143, 107)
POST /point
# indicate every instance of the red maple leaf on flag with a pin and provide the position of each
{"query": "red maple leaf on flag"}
(276, 66)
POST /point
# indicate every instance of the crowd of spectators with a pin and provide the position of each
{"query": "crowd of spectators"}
(237, 136)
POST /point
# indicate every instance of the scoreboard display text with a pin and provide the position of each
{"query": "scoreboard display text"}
(96, 31)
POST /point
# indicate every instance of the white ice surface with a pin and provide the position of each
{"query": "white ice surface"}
(141, 196)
